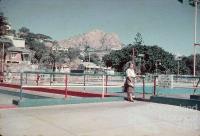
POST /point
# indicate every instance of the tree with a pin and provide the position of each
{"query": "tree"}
(190, 2)
(154, 59)
(58, 58)
(34, 42)
(117, 59)
(24, 30)
(73, 53)
(138, 39)
(188, 62)
(93, 58)
(4, 26)
(158, 60)
(194, 3)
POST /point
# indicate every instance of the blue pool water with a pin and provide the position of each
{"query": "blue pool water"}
(148, 90)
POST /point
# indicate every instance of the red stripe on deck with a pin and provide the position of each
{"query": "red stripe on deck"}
(58, 91)
(7, 107)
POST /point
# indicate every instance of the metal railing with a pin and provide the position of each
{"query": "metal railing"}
(36, 79)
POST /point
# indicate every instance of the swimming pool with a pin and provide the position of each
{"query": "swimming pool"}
(148, 90)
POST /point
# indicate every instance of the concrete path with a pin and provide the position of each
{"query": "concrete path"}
(6, 101)
(101, 119)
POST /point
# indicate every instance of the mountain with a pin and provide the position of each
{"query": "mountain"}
(95, 39)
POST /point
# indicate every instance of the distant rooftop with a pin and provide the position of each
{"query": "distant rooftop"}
(17, 49)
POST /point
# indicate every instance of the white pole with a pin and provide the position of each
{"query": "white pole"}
(178, 68)
(195, 37)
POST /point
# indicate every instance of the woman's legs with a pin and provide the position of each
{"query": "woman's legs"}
(130, 93)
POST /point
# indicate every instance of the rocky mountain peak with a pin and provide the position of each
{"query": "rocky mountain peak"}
(96, 39)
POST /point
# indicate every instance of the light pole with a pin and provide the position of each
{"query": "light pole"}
(158, 62)
(195, 36)
(133, 56)
(178, 58)
(141, 57)
(90, 50)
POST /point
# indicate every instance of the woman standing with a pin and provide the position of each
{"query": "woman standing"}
(130, 81)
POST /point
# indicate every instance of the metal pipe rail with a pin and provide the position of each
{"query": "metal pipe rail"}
(195, 87)
(103, 81)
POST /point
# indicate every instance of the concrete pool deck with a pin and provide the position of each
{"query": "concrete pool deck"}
(96, 119)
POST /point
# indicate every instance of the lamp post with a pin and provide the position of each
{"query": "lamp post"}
(140, 56)
(178, 58)
(196, 2)
(133, 56)
(90, 50)
(158, 62)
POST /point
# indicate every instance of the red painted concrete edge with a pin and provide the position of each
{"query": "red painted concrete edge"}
(58, 91)
(7, 107)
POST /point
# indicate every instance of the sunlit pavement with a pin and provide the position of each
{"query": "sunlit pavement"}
(97, 119)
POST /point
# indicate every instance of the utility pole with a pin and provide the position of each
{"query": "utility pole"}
(195, 35)
(133, 56)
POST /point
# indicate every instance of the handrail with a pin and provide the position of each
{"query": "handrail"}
(104, 79)
(65, 73)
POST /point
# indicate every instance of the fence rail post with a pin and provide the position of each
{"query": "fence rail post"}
(21, 84)
(143, 87)
(106, 84)
(66, 80)
(26, 78)
(84, 81)
(50, 78)
(154, 85)
(103, 91)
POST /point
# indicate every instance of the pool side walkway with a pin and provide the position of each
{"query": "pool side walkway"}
(96, 119)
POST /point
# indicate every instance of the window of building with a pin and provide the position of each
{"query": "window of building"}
(13, 55)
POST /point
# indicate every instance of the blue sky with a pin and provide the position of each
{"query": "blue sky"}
(166, 23)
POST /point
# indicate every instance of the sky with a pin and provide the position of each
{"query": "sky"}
(166, 23)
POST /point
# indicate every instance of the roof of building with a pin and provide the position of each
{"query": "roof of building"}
(17, 49)
(6, 41)
(89, 65)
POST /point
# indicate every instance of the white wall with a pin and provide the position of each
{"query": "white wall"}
(19, 43)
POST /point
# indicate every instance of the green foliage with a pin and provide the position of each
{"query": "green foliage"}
(118, 58)
(24, 30)
(93, 58)
(155, 59)
(73, 53)
(138, 39)
(3, 25)
(167, 63)
(34, 43)
(190, 2)
(188, 61)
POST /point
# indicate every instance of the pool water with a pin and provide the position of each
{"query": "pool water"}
(148, 90)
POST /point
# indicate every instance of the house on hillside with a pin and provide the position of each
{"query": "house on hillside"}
(17, 42)
(18, 55)
(59, 48)
(90, 67)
